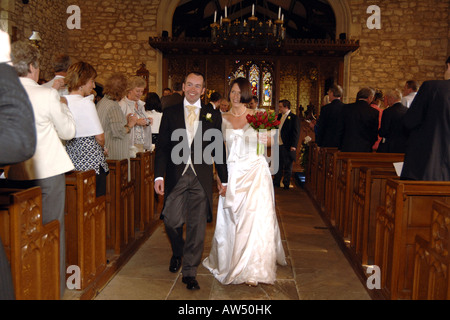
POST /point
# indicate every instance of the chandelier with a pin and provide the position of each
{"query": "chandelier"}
(253, 33)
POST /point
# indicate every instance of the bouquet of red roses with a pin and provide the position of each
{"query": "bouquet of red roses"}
(262, 120)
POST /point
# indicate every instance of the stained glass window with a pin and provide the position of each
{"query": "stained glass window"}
(254, 77)
(261, 81)
(268, 84)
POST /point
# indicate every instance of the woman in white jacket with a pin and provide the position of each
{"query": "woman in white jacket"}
(54, 122)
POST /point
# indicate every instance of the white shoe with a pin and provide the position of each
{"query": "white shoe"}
(251, 283)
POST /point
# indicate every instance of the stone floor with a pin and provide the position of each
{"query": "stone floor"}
(317, 269)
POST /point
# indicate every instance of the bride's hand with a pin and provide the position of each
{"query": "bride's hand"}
(222, 189)
(262, 137)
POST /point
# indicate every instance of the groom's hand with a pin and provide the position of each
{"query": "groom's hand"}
(222, 189)
(159, 187)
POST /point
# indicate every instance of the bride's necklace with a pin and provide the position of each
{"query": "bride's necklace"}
(238, 115)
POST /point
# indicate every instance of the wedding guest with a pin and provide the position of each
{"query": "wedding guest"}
(60, 64)
(254, 103)
(224, 105)
(86, 150)
(427, 151)
(176, 97)
(53, 122)
(360, 123)
(409, 92)
(115, 124)
(329, 125)
(376, 104)
(288, 136)
(17, 138)
(154, 111)
(141, 134)
(392, 131)
(17, 123)
(215, 99)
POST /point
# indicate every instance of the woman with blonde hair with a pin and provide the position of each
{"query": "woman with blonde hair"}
(86, 150)
(141, 133)
(116, 125)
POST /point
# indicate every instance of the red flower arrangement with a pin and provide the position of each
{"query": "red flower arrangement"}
(261, 120)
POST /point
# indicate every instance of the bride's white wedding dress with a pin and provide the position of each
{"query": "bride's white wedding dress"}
(247, 245)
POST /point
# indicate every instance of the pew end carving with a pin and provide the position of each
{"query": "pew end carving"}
(32, 248)
(85, 226)
(432, 262)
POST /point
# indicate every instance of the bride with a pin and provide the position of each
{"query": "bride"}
(247, 244)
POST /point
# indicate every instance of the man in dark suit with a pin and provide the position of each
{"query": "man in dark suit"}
(392, 131)
(17, 137)
(329, 124)
(184, 174)
(360, 123)
(176, 97)
(427, 155)
(289, 133)
(214, 100)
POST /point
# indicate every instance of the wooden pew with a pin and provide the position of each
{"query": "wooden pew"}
(120, 231)
(85, 226)
(432, 262)
(320, 177)
(367, 197)
(32, 248)
(330, 182)
(405, 214)
(142, 172)
(348, 166)
(311, 171)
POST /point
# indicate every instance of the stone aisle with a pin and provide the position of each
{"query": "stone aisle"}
(317, 269)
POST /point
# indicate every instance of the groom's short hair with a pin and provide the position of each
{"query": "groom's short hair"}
(199, 74)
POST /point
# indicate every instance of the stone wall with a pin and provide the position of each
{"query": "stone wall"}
(413, 43)
(21, 20)
(114, 36)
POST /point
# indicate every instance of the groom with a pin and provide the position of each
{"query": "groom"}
(186, 180)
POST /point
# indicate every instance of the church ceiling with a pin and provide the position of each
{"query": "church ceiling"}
(303, 19)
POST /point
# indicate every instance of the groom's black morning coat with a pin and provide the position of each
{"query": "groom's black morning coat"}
(174, 118)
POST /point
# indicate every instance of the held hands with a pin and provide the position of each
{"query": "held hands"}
(220, 187)
(262, 137)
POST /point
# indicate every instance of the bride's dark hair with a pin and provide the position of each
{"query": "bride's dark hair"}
(245, 87)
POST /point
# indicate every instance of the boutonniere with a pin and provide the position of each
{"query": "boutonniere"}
(208, 117)
(289, 117)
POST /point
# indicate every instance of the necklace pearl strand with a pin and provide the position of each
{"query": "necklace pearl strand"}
(238, 115)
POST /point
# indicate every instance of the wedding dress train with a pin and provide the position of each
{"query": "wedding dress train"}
(247, 245)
